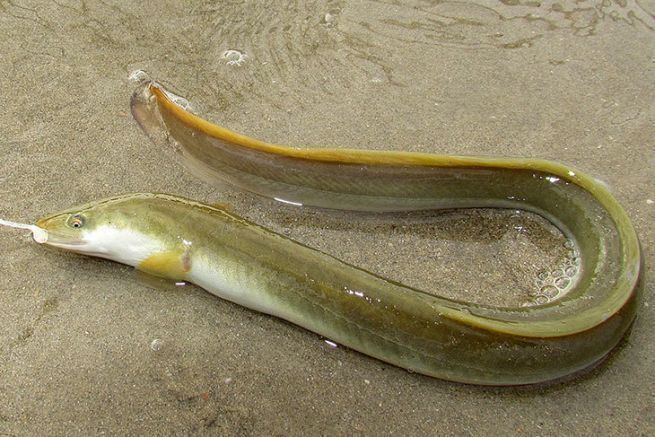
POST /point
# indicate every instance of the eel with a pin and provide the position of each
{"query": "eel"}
(422, 332)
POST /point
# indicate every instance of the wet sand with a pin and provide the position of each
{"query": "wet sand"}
(88, 346)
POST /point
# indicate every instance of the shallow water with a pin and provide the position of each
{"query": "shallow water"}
(570, 81)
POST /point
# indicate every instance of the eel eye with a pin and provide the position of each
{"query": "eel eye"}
(76, 221)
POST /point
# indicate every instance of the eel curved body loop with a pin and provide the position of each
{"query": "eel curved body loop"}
(444, 338)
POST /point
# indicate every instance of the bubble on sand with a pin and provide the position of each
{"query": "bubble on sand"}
(541, 299)
(328, 20)
(562, 283)
(156, 344)
(549, 292)
(234, 57)
(553, 284)
(138, 76)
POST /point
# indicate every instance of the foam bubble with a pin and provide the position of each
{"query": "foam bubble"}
(156, 344)
(543, 275)
(541, 299)
(138, 76)
(234, 57)
(562, 283)
(549, 291)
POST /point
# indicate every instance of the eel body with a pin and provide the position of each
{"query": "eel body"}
(454, 340)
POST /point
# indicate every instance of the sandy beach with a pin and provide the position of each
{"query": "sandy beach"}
(90, 347)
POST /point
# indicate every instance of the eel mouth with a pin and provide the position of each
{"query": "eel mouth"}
(39, 234)
(53, 231)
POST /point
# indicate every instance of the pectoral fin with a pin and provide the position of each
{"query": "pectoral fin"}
(174, 264)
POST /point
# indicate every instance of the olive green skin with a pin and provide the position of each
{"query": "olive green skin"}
(436, 336)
